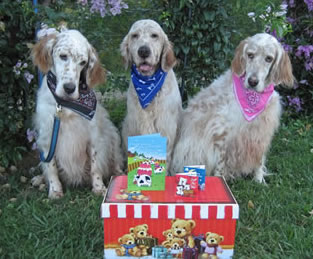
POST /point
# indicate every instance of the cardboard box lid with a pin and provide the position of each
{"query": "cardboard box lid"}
(215, 202)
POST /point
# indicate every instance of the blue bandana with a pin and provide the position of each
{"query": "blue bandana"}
(147, 87)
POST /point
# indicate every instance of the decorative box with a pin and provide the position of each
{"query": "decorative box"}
(160, 224)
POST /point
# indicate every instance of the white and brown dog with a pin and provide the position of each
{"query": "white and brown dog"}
(229, 125)
(153, 99)
(88, 144)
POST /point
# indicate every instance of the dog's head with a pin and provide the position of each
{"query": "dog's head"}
(71, 58)
(147, 46)
(263, 61)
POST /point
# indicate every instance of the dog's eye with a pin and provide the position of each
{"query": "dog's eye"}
(134, 36)
(250, 55)
(268, 59)
(63, 57)
(83, 63)
(154, 35)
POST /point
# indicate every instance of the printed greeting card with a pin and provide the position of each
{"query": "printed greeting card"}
(146, 162)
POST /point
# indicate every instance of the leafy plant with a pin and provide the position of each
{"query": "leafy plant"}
(17, 25)
(300, 48)
(201, 34)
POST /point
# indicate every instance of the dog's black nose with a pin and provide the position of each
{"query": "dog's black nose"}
(144, 51)
(253, 81)
(69, 88)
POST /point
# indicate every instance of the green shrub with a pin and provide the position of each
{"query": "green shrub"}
(17, 90)
(299, 45)
(201, 32)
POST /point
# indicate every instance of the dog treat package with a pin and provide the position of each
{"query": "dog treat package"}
(146, 162)
(161, 224)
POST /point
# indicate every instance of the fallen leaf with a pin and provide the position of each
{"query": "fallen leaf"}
(311, 212)
(250, 204)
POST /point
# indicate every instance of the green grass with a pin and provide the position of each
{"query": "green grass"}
(275, 219)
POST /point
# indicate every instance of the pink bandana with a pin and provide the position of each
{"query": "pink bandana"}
(251, 103)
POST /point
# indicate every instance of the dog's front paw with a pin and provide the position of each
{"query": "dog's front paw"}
(37, 180)
(99, 190)
(55, 195)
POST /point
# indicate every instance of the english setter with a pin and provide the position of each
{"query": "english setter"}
(147, 49)
(87, 151)
(232, 139)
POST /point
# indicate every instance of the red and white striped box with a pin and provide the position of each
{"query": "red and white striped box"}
(213, 210)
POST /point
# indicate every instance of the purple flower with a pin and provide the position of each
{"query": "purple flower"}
(287, 47)
(306, 49)
(309, 4)
(309, 65)
(295, 102)
(291, 20)
(292, 3)
(28, 76)
(98, 6)
(31, 135)
(304, 82)
(34, 146)
(117, 6)
(18, 64)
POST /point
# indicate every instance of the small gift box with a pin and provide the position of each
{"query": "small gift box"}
(157, 251)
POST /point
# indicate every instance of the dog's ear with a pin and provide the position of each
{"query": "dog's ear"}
(238, 64)
(42, 52)
(95, 72)
(282, 70)
(168, 57)
(124, 48)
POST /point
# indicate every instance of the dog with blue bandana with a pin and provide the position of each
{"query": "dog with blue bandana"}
(153, 99)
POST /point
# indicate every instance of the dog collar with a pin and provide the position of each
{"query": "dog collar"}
(85, 105)
(147, 87)
(251, 103)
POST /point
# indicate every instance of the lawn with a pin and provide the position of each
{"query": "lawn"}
(276, 220)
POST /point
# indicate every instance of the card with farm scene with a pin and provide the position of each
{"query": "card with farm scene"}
(146, 162)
